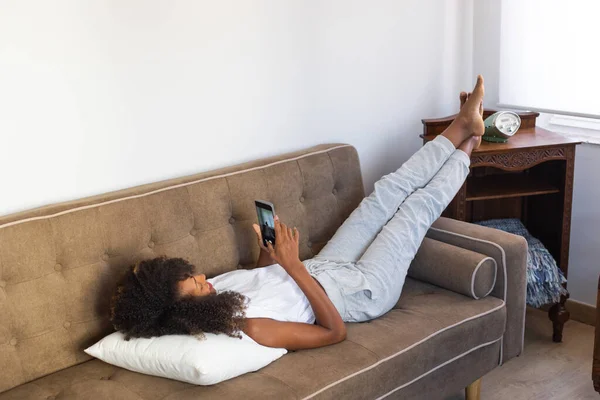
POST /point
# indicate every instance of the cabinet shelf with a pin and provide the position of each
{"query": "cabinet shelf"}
(507, 185)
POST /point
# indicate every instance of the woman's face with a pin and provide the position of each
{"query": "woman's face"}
(196, 286)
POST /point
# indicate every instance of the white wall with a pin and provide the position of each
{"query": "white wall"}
(98, 96)
(584, 256)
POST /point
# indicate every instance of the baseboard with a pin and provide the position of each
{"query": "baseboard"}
(582, 312)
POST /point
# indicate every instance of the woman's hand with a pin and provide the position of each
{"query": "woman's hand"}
(287, 242)
(264, 258)
(260, 239)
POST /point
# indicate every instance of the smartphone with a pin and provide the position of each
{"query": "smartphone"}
(266, 220)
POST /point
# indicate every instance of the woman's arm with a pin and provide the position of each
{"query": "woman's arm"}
(290, 335)
(330, 327)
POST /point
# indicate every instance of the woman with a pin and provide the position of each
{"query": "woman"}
(356, 277)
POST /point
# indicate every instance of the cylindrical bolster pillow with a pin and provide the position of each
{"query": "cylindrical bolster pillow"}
(454, 268)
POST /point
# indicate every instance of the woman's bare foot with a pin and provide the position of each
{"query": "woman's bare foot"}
(478, 142)
(469, 121)
(463, 99)
(464, 96)
(470, 144)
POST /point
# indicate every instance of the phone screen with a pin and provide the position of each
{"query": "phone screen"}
(266, 221)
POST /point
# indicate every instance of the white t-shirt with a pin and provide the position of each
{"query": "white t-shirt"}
(271, 293)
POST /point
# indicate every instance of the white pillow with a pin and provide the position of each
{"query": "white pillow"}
(186, 358)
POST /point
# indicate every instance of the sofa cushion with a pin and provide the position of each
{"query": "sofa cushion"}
(454, 268)
(428, 328)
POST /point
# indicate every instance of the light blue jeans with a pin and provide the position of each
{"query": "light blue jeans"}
(363, 267)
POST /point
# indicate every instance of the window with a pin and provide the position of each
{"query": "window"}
(550, 57)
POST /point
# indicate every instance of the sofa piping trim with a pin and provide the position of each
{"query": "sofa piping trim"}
(440, 366)
(474, 274)
(505, 280)
(171, 187)
(405, 350)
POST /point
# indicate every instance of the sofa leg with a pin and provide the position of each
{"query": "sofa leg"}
(558, 314)
(473, 391)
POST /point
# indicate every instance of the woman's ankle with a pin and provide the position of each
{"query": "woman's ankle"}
(470, 144)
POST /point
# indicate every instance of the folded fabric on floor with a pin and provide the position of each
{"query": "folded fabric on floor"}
(544, 278)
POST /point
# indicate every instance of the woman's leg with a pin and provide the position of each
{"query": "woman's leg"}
(362, 226)
(386, 261)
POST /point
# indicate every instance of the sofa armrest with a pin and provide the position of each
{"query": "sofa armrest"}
(510, 253)
(454, 268)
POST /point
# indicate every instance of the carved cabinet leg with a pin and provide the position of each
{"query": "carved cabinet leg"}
(558, 314)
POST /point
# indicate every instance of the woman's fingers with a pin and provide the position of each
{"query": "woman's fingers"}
(285, 231)
(270, 248)
(257, 231)
(259, 236)
(277, 228)
(296, 235)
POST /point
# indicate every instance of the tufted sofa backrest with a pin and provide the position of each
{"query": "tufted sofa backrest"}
(59, 264)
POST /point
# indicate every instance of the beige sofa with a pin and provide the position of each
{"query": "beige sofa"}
(59, 264)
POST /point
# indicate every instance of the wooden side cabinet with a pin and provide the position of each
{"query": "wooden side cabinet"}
(530, 178)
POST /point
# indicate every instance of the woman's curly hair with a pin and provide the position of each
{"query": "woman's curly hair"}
(147, 303)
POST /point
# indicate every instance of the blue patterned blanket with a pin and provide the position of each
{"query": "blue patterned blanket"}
(544, 278)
